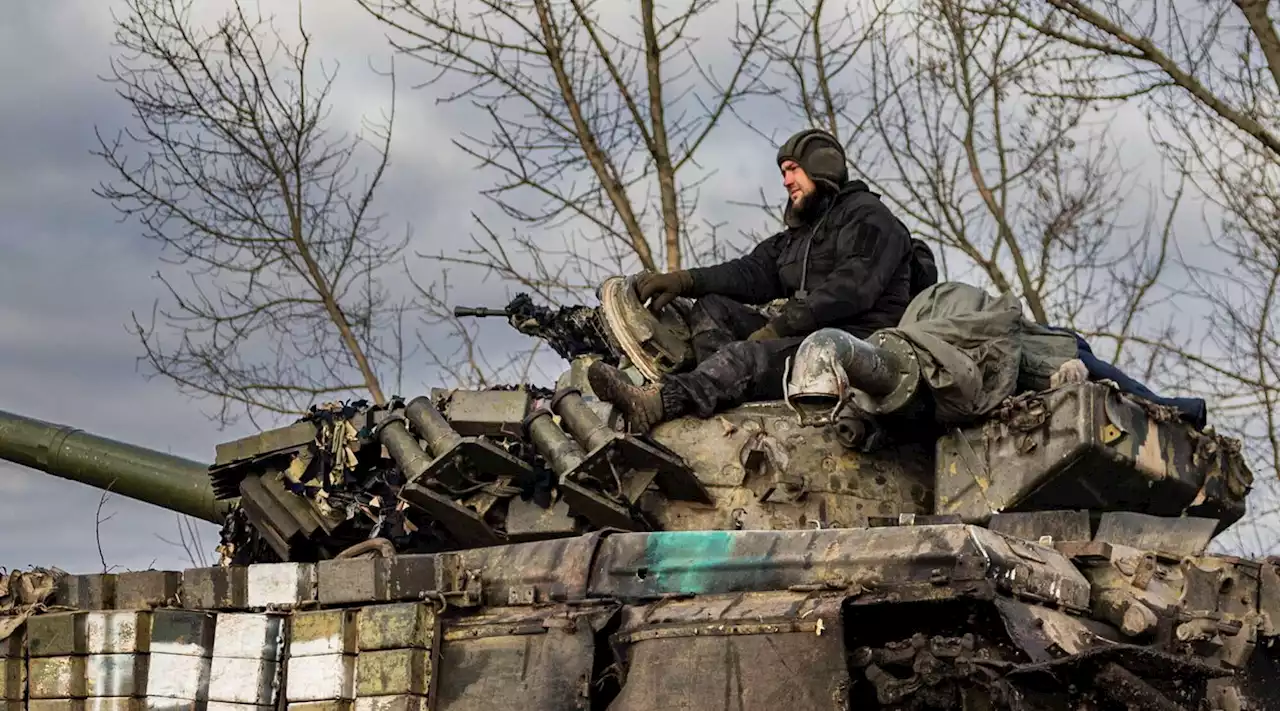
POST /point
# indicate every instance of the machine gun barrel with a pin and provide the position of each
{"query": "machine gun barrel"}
(157, 478)
(462, 311)
(571, 331)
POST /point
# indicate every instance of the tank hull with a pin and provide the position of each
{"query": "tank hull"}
(645, 621)
(745, 561)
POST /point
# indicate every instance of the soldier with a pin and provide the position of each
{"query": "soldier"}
(843, 261)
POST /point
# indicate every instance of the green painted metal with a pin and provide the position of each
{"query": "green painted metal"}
(157, 478)
(688, 562)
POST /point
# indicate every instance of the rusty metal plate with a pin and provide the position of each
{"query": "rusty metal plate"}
(554, 570)
(926, 561)
(1087, 446)
(492, 413)
(535, 659)
(742, 652)
(1222, 584)
(1032, 525)
(1043, 633)
(726, 614)
(410, 625)
(1175, 536)
(281, 439)
(765, 471)
(389, 672)
(1269, 599)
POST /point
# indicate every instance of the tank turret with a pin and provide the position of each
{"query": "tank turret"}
(165, 480)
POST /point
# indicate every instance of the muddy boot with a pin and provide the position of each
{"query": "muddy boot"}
(640, 405)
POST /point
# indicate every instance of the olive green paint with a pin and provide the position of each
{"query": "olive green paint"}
(139, 473)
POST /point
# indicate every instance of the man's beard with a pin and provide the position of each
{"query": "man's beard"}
(808, 205)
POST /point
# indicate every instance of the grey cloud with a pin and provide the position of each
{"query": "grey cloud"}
(72, 273)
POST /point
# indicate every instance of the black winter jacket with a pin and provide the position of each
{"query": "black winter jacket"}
(859, 269)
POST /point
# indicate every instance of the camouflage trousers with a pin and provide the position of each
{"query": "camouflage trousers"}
(729, 370)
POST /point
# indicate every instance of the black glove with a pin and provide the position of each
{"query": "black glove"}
(663, 288)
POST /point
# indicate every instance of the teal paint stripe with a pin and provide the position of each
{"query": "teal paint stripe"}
(697, 562)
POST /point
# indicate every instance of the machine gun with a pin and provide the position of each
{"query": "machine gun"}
(571, 331)
(619, 330)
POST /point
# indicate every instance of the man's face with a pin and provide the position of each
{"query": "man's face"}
(796, 181)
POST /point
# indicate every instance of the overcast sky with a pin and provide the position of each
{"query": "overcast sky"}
(71, 274)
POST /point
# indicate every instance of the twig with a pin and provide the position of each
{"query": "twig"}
(99, 520)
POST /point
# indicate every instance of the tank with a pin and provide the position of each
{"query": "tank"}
(518, 547)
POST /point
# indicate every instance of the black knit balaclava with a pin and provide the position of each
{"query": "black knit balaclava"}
(820, 154)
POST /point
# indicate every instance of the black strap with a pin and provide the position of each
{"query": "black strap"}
(804, 265)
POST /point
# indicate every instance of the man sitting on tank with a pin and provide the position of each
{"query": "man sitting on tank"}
(843, 261)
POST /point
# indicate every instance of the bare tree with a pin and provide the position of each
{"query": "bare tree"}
(596, 118)
(1208, 75)
(229, 163)
(952, 116)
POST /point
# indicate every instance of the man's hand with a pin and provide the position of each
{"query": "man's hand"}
(765, 333)
(662, 288)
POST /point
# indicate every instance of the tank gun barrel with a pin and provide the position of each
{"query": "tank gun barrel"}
(158, 478)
